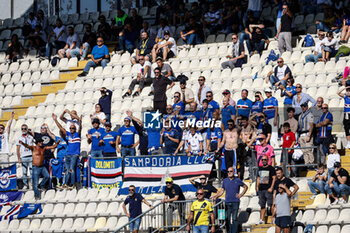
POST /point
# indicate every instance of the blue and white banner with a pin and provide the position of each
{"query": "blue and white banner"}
(148, 174)
(106, 173)
(6, 197)
(21, 211)
(8, 179)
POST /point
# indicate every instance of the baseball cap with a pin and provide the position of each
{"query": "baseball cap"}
(337, 164)
(166, 32)
(169, 179)
(108, 124)
(95, 121)
(183, 82)
(268, 90)
(303, 104)
(225, 92)
(127, 118)
(159, 59)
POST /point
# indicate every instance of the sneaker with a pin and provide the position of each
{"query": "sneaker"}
(313, 197)
(341, 201)
(127, 94)
(335, 202)
(136, 94)
(71, 187)
(261, 222)
(83, 74)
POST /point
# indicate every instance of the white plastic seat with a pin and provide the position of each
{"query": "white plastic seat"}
(101, 208)
(78, 224)
(322, 229)
(253, 218)
(110, 224)
(91, 209)
(122, 221)
(82, 193)
(308, 216)
(89, 223)
(67, 224)
(103, 194)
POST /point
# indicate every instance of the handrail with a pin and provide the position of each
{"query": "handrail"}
(140, 216)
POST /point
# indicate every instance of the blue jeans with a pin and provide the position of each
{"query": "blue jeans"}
(344, 189)
(330, 171)
(128, 151)
(96, 153)
(126, 45)
(192, 39)
(313, 57)
(108, 117)
(57, 44)
(37, 171)
(70, 163)
(91, 63)
(336, 189)
(200, 229)
(75, 52)
(322, 27)
(134, 226)
(26, 165)
(318, 185)
(274, 79)
(243, 36)
(86, 50)
(258, 46)
(231, 216)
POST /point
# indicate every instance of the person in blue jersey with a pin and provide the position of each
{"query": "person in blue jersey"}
(205, 112)
(227, 112)
(271, 110)
(324, 136)
(193, 113)
(126, 138)
(108, 140)
(61, 153)
(214, 136)
(212, 104)
(154, 145)
(346, 120)
(178, 106)
(257, 105)
(288, 92)
(73, 138)
(170, 137)
(94, 137)
(244, 105)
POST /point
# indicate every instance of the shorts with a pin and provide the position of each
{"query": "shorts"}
(170, 54)
(346, 124)
(265, 197)
(134, 225)
(283, 222)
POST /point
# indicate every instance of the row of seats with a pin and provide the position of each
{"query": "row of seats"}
(28, 77)
(320, 229)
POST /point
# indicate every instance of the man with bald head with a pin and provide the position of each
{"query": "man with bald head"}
(324, 135)
(74, 119)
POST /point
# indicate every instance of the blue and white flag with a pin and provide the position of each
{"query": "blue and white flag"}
(6, 197)
(8, 179)
(148, 174)
(106, 173)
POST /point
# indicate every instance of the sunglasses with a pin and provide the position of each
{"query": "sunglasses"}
(141, 59)
(99, 40)
(331, 148)
(229, 124)
(324, 108)
(230, 171)
(257, 96)
(168, 182)
(234, 38)
(43, 128)
(157, 72)
(72, 128)
(131, 190)
(176, 96)
(200, 194)
(209, 96)
(280, 62)
(2, 128)
(297, 87)
(261, 139)
(200, 80)
(24, 128)
(264, 160)
(169, 109)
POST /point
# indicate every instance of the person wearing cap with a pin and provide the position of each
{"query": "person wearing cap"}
(166, 48)
(165, 68)
(126, 138)
(187, 95)
(144, 77)
(105, 102)
(201, 209)
(73, 138)
(160, 84)
(257, 105)
(237, 59)
(227, 112)
(288, 92)
(202, 90)
(227, 94)
(94, 137)
(324, 127)
(300, 98)
(108, 140)
(162, 29)
(231, 186)
(338, 186)
(144, 48)
(346, 119)
(178, 106)
(135, 201)
(305, 131)
(204, 185)
(270, 106)
(279, 75)
(170, 137)
(173, 192)
(244, 105)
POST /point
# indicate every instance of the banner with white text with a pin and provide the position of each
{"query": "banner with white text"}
(106, 173)
(8, 179)
(148, 174)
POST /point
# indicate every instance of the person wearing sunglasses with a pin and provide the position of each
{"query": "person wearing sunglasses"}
(284, 34)
(227, 94)
(270, 105)
(279, 75)
(108, 140)
(73, 138)
(126, 138)
(160, 86)
(288, 92)
(338, 186)
(244, 105)
(324, 127)
(281, 212)
(24, 154)
(299, 98)
(201, 210)
(265, 182)
(203, 184)
(99, 57)
(4, 141)
(231, 186)
(178, 106)
(201, 93)
(346, 119)
(212, 104)
(227, 112)
(135, 201)
(332, 157)
(94, 137)
(237, 59)
(263, 149)
(170, 137)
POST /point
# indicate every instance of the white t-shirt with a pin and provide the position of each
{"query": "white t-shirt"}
(331, 159)
(140, 69)
(318, 47)
(101, 116)
(194, 141)
(74, 38)
(27, 139)
(184, 137)
(57, 31)
(161, 31)
(172, 47)
(4, 143)
(281, 71)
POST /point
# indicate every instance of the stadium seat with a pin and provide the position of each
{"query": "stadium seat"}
(100, 223)
(253, 219)
(308, 216)
(122, 221)
(47, 210)
(322, 229)
(320, 216)
(24, 224)
(91, 209)
(66, 225)
(34, 226)
(334, 229)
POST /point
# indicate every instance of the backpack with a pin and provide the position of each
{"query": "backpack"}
(272, 57)
(308, 41)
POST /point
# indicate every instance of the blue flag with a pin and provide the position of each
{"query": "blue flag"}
(8, 179)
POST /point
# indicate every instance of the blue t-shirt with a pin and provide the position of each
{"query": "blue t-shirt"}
(269, 107)
(179, 105)
(73, 143)
(205, 114)
(347, 104)
(213, 105)
(257, 107)
(227, 113)
(326, 130)
(191, 115)
(232, 188)
(214, 135)
(244, 107)
(61, 148)
(289, 100)
(170, 146)
(127, 135)
(98, 52)
(96, 137)
(109, 137)
(154, 137)
(135, 204)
